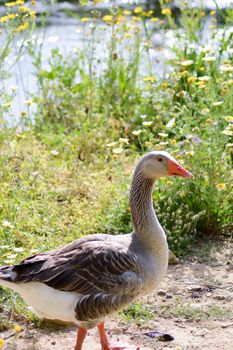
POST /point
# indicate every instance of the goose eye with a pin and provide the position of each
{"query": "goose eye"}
(160, 159)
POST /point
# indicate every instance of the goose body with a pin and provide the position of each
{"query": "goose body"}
(88, 279)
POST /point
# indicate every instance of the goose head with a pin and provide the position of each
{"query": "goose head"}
(161, 164)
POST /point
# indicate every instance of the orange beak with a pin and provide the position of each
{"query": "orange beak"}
(175, 168)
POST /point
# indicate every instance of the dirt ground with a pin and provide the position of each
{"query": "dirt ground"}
(195, 304)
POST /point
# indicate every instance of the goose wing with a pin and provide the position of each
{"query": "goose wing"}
(105, 274)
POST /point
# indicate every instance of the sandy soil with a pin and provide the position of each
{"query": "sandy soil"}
(197, 296)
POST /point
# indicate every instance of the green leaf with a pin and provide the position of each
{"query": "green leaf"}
(83, 2)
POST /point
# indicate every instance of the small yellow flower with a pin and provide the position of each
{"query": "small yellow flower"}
(85, 19)
(2, 343)
(11, 15)
(212, 13)
(33, 3)
(226, 68)
(221, 186)
(24, 9)
(137, 132)
(192, 80)
(32, 13)
(7, 104)
(173, 142)
(154, 19)
(23, 114)
(148, 144)
(164, 85)
(209, 121)
(17, 328)
(28, 102)
(138, 10)
(148, 14)
(22, 27)
(136, 19)
(227, 132)
(20, 2)
(228, 118)
(107, 18)
(205, 111)
(186, 63)
(181, 94)
(127, 12)
(184, 73)
(150, 79)
(4, 19)
(166, 12)
(10, 4)
(230, 82)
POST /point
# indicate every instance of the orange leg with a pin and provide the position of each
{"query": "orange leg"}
(81, 334)
(105, 343)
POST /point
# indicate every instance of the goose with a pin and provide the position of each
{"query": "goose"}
(94, 276)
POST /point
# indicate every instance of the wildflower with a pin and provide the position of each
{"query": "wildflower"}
(137, 132)
(124, 140)
(17, 328)
(164, 85)
(14, 88)
(32, 13)
(226, 68)
(228, 118)
(163, 135)
(20, 2)
(4, 19)
(28, 102)
(150, 79)
(221, 186)
(33, 3)
(22, 27)
(186, 63)
(138, 10)
(202, 13)
(54, 152)
(135, 18)
(205, 111)
(230, 82)
(148, 144)
(148, 14)
(154, 19)
(212, 13)
(107, 18)
(204, 78)
(85, 19)
(209, 59)
(181, 94)
(147, 123)
(173, 142)
(10, 4)
(166, 12)
(7, 104)
(7, 224)
(127, 12)
(209, 121)
(224, 90)
(111, 144)
(24, 9)
(2, 343)
(171, 123)
(184, 73)
(191, 79)
(23, 114)
(217, 103)
(206, 49)
(117, 150)
(227, 132)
